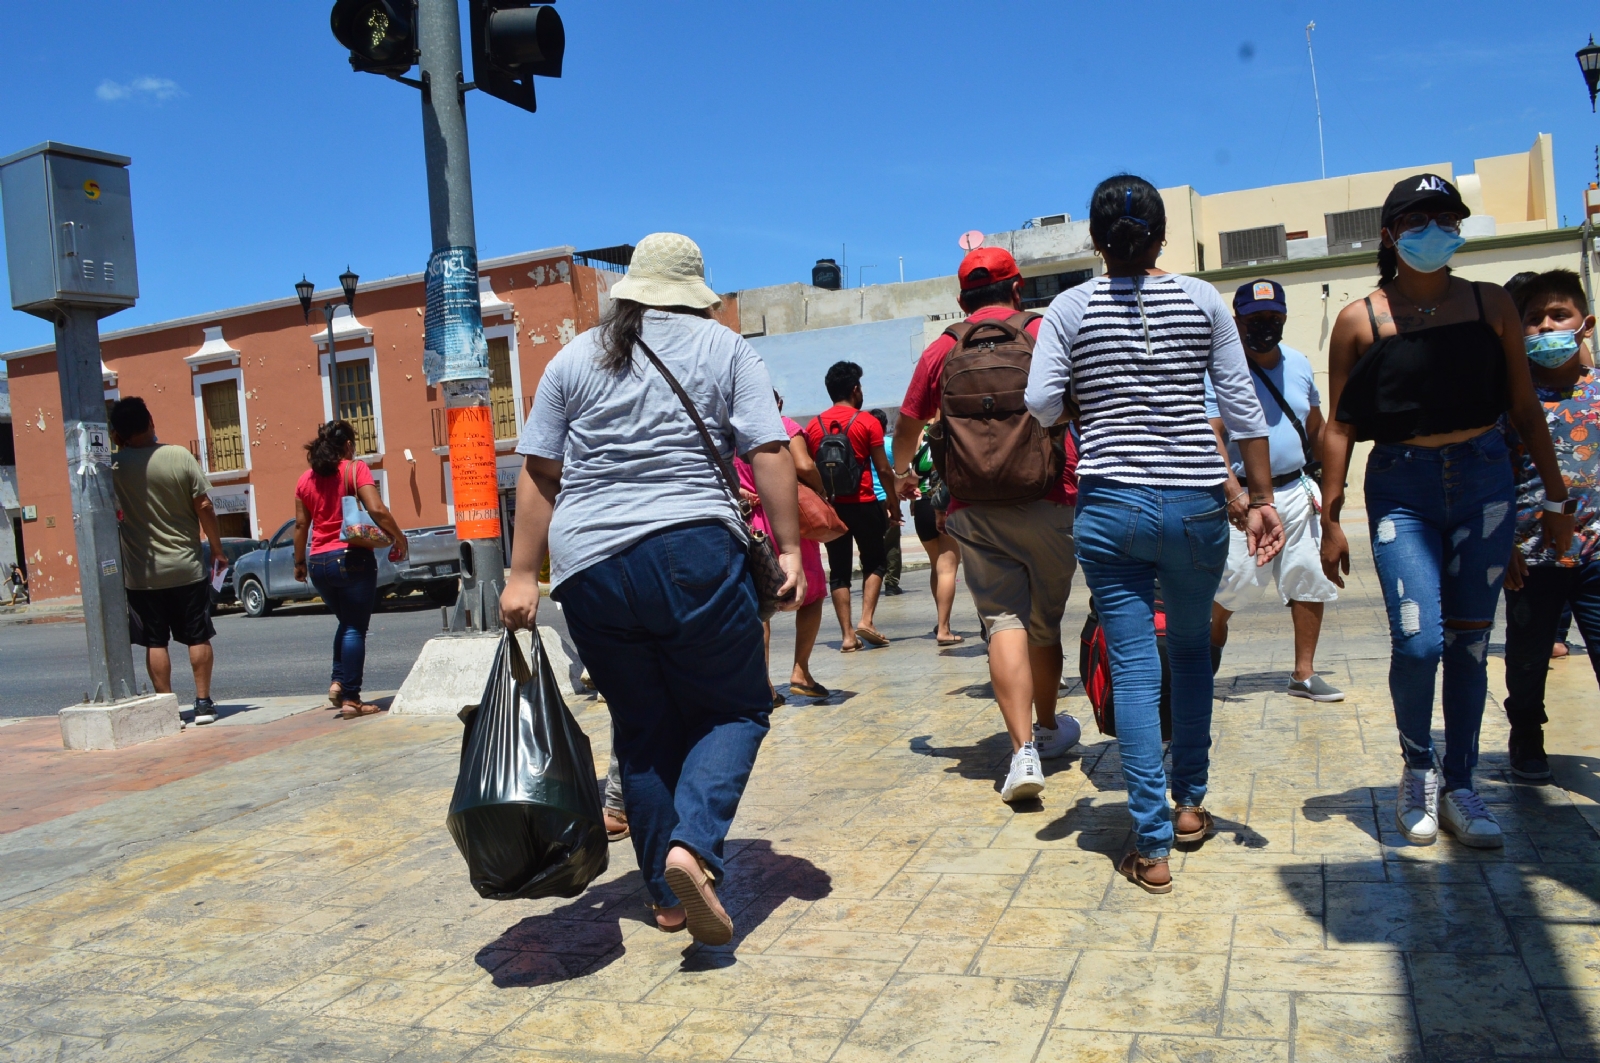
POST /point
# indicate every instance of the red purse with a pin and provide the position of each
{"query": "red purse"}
(818, 521)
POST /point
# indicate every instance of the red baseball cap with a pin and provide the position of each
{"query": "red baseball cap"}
(986, 265)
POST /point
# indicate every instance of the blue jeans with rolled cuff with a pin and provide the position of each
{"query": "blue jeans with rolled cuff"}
(1442, 521)
(1129, 537)
(347, 580)
(670, 634)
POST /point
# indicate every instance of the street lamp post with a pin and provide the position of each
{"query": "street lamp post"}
(305, 289)
(1589, 62)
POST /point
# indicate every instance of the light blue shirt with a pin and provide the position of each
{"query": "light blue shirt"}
(1293, 378)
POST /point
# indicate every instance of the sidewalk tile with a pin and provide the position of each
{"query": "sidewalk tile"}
(1000, 1019)
(1162, 993)
(790, 1039)
(1331, 1028)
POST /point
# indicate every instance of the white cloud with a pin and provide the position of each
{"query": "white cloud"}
(145, 88)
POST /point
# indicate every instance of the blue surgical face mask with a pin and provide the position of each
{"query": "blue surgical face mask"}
(1429, 249)
(1551, 350)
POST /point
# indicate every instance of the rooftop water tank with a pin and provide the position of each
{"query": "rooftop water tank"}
(825, 274)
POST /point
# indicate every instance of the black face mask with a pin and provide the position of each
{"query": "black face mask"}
(1262, 334)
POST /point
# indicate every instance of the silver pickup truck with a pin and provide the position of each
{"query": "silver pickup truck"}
(264, 578)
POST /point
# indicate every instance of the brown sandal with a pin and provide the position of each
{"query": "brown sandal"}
(1135, 868)
(336, 695)
(669, 928)
(610, 816)
(353, 709)
(1208, 826)
(708, 922)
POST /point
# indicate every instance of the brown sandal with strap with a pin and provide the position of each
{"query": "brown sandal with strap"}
(1208, 826)
(669, 928)
(707, 920)
(1136, 868)
(353, 709)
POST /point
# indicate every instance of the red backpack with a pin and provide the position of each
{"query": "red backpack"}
(1094, 668)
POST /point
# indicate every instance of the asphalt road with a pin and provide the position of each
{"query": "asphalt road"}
(43, 666)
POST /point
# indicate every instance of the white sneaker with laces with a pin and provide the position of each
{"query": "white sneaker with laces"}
(1416, 807)
(1026, 777)
(1463, 813)
(1057, 741)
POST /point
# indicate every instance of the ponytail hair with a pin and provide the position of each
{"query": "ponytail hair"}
(1388, 264)
(325, 452)
(1126, 217)
(619, 334)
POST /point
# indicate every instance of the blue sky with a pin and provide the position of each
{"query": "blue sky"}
(771, 133)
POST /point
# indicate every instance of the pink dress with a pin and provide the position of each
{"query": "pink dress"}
(810, 552)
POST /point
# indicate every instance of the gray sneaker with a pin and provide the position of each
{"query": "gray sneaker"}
(1316, 688)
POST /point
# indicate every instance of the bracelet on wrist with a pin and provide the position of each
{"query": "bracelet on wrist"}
(1263, 505)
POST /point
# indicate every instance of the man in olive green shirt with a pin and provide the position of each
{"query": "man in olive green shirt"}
(163, 508)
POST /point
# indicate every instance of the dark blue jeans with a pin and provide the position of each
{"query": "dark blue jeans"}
(1128, 537)
(1532, 616)
(348, 582)
(670, 634)
(1441, 520)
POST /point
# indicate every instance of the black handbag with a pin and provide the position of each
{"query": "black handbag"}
(1312, 467)
(762, 557)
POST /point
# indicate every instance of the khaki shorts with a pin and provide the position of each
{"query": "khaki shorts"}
(1019, 563)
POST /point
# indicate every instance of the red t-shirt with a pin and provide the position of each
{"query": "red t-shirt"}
(865, 433)
(321, 495)
(927, 381)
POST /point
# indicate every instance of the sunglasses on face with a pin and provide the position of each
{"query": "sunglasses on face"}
(1448, 220)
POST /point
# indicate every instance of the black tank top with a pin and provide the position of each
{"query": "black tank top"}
(1427, 382)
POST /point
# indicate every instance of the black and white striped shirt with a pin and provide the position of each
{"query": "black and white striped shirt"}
(1139, 378)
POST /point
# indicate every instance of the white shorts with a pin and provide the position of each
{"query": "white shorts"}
(1297, 570)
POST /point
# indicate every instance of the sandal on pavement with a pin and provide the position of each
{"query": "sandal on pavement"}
(616, 824)
(953, 640)
(1191, 823)
(867, 634)
(708, 922)
(667, 925)
(808, 690)
(352, 709)
(849, 649)
(336, 695)
(1150, 875)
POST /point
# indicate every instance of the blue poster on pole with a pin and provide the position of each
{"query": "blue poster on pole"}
(453, 347)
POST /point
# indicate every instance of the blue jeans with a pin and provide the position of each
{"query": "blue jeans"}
(1441, 520)
(1129, 537)
(1533, 615)
(670, 634)
(348, 582)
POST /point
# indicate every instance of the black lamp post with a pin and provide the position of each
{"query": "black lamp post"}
(1589, 62)
(305, 289)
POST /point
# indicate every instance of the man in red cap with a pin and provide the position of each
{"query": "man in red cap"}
(1019, 557)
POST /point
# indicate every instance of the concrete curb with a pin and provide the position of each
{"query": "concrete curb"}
(120, 725)
(451, 671)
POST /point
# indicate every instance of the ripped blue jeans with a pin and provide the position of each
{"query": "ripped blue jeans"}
(1441, 520)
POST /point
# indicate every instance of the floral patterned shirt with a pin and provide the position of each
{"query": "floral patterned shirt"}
(1573, 414)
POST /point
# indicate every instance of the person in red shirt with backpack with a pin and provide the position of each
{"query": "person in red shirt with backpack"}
(1012, 484)
(847, 444)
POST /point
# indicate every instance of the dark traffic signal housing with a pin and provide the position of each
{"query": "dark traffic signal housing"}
(514, 41)
(381, 34)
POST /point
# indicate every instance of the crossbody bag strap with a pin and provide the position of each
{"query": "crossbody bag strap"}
(1277, 396)
(729, 479)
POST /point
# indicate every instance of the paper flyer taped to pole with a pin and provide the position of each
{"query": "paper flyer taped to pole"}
(472, 472)
(453, 347)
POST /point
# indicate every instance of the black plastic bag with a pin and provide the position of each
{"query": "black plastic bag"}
(526, 812)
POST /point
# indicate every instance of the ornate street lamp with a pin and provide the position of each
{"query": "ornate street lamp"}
(347, 280)
(304, 290)
(1589, 62)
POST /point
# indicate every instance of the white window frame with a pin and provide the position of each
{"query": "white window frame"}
(509, 332)
(250, 499)
(370, 355)
(201, 379)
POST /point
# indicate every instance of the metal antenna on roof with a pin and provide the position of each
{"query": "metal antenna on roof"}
(1317, 96)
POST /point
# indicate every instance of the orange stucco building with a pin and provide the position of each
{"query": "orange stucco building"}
(245, 389)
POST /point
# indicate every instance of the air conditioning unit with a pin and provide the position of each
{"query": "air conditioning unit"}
(1250, 247)
(1354, 230)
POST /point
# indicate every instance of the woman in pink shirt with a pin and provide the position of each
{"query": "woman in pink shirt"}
(345, 576)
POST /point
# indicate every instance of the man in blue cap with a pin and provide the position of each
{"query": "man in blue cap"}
(1289, 398)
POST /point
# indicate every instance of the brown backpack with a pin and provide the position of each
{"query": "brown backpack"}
(987, 446)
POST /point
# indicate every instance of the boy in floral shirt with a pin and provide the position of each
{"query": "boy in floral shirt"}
(1556, 326)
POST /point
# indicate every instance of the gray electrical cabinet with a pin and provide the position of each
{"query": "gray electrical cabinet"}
(69, 229)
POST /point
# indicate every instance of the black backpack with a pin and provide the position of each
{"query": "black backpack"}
(836, 460)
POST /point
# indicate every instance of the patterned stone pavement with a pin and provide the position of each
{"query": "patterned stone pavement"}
(307, 904)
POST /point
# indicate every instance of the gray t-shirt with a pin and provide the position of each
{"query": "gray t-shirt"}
(632, 463)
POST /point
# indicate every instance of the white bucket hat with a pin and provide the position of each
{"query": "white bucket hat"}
(667, 270)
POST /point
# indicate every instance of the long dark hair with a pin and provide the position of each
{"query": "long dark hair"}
(1126, 215)
(1388, 264)
(619, 334)
(325, 452)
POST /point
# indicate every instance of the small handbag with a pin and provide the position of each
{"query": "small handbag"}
(763, 558)
(818, 520)
(358, 528)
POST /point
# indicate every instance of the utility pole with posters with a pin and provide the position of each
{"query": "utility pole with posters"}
(512, 42)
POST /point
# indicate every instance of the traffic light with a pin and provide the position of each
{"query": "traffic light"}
(381, 34)
(514, 41)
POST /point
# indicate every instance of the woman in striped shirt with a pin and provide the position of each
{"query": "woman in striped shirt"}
(1130, 350)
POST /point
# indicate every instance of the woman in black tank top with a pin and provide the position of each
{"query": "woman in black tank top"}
(1425, 367)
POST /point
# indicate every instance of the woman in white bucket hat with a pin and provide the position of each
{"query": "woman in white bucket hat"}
(647, 558)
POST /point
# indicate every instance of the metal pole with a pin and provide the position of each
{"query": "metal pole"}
(1317, 96)
(444, 142)
(94, 503)
(1588, 248)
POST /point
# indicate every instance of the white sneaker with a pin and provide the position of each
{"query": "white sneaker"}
(1057, 741)
(1026, 777)
(1416, 807)
(1464, 814)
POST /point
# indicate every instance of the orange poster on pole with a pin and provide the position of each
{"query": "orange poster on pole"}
(472, 473)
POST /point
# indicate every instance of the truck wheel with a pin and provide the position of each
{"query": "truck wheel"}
(253, 597)
(443, 592)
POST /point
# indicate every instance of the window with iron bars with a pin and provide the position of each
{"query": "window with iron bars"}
(502, 397)
(353, 394)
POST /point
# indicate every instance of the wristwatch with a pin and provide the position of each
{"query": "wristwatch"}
(1566, 509)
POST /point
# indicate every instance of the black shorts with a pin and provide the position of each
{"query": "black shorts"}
(922, 516)
(172, 614)
(867, 523)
